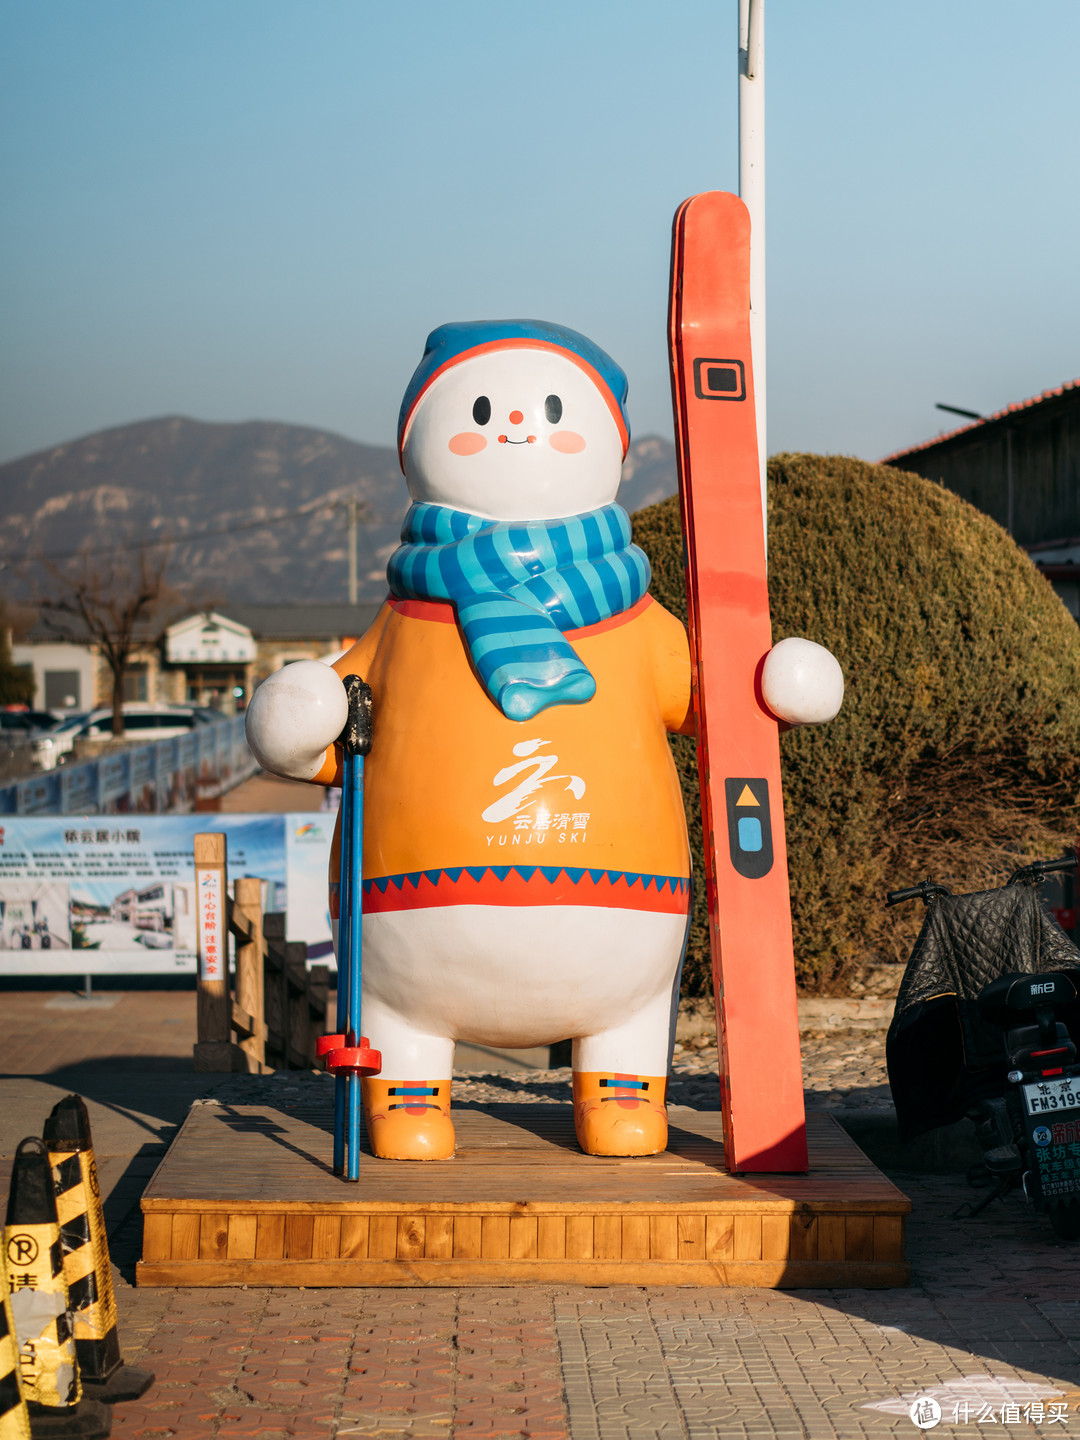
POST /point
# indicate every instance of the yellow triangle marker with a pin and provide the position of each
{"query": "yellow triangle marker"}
(747, 797)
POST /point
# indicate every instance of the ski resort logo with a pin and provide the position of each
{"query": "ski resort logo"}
(532, 773)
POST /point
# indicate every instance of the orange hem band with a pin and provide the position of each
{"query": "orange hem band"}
(527, 885)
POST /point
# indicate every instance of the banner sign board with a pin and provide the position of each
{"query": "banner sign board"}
(165, 778)
(117, 896)
(211, 924)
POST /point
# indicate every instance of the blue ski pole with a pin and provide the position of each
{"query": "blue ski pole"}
(348, 1054)
(344, 989)
(327, 1044)
(354, 783)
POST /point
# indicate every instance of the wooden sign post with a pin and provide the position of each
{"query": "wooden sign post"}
(213, 1050)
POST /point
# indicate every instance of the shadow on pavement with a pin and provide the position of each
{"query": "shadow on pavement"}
(136, 1103)
(999, 1293)
(74, 982)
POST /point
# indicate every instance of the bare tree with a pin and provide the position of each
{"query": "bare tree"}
(118, 600)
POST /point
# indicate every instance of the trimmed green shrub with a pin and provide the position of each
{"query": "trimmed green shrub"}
(957, 751)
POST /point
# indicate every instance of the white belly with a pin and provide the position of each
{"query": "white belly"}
(519, 976)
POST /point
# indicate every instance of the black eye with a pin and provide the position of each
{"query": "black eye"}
(481, 410)
(553, 409)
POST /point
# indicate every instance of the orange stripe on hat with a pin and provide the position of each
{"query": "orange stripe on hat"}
(518, 343)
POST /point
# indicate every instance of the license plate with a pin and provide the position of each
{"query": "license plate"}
(1051, 1097)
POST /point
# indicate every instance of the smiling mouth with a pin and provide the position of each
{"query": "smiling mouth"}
(529, 440)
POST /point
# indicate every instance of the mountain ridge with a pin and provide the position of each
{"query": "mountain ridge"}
(204, 486)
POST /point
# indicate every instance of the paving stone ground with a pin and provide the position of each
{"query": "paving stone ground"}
(989, 1329)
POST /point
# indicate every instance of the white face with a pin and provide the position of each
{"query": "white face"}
(514, 435)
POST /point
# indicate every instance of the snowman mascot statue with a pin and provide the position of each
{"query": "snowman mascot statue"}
(527, 872)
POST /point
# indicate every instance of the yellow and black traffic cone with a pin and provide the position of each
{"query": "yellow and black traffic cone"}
(86, 1257)
(14, 1416)
(39, 1306)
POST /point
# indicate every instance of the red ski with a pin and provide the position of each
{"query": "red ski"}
(738, 739)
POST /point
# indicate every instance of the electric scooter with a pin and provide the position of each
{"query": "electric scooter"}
(986, 1026)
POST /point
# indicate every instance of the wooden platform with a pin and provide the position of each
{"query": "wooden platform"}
(246, 1196)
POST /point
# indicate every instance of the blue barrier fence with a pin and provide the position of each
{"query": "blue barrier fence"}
(165, 778)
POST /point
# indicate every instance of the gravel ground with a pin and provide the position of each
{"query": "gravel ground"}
(842, 1069)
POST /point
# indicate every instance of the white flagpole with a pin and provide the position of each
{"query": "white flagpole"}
(752, 194)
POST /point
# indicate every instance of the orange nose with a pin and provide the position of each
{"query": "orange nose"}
(516, 417)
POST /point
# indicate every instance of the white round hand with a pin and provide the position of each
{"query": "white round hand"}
(802, 683)
(293, 716)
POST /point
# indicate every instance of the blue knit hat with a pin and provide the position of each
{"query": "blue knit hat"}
(451, 343)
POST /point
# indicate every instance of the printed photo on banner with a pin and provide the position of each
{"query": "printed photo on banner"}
(106, 895)
(34, 915)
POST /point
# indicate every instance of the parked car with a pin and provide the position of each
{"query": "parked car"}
(143, 723)
(18, 730)
(27, 720)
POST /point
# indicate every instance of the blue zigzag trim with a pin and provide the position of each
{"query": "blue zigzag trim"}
(678, 884)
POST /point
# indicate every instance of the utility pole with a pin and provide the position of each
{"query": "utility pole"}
(350, 511)
(752, 194)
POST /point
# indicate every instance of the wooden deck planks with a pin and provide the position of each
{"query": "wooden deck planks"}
(518, 1204)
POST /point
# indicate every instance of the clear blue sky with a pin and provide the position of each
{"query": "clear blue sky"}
(238, 209)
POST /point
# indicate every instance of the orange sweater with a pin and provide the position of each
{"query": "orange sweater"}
(580, 805)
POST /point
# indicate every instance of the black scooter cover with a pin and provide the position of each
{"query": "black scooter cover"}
(942, 1056)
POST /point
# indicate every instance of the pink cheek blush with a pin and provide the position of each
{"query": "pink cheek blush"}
(568, 441)
(467, 443)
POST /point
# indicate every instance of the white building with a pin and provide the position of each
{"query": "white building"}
(65, 674)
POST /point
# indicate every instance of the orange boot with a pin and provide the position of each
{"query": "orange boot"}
(408, 1119)
(616, 1114)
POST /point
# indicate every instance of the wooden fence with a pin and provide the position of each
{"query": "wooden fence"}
(278, 1008)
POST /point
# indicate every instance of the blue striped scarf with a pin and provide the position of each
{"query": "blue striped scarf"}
(516, 585)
